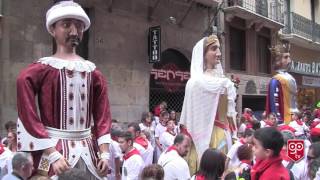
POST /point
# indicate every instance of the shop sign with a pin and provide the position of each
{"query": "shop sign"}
(154, 44)
(305, 68)
(310, 81)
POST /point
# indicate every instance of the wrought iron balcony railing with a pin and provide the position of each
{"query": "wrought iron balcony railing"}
(272, 10)
(304, 27)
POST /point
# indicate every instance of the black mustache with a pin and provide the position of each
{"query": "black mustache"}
(73, 39)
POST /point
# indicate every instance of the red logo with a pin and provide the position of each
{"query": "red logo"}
(295, 149)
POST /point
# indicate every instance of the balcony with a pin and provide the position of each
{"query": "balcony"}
(210, 3)
(261, 13)
(302, 31)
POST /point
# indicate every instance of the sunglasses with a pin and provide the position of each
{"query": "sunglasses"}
(310, 158)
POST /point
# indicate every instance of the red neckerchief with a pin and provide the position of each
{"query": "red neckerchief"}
(261, 165)
(284, 155)
(172, 133)
(246, 162)
(1, 148)
(171, 148)
(242, 141)
(299, 122)
(143, 142)
(200, 177)
(134, 151)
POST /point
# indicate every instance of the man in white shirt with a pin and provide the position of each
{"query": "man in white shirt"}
(132, 160)
(161, 128)
(115, 154)
(141, 144)
(172, 162)
(299, 169)
(167, 138)
(300, 127)
(232, 157)
(22, 164)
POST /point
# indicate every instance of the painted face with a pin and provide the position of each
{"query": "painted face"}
(124, 145)
(184, 147)
(68, 32)
(212, 55)
(285, 60)
(258, 150)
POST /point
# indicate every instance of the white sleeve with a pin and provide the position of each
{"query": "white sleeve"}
(233, 151)
(157, 132)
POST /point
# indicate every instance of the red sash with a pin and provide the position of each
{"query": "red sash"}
(143, 142)
(134, 151)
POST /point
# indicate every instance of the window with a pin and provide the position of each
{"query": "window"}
(263, 54)
(237, 49)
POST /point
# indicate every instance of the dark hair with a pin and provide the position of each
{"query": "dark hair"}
(316, 149)
(153, 171)
(248, 132)
(178, 139)
(314, 138)
(115, 131)
(135, 126)
(298, 114)
(270, 138)
(256, 125)
(212, 164)
(313, 168)
(164, 113)
(231, 176)
(245, 152)
(73, 174)
(126, 135)
(144, 116)
(10, 125)
(114, 120)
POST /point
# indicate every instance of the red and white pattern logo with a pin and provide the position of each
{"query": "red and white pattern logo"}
(295, 149)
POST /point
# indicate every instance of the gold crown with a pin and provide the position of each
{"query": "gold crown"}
(280, 48)
(210, 40)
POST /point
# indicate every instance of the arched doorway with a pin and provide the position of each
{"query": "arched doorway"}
(168, 79)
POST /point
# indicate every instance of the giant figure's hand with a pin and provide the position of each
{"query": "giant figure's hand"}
(60, 166)
(103, 167)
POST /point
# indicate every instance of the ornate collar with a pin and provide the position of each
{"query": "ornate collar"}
(77, 65)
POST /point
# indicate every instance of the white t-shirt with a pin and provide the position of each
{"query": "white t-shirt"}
(146, 153)
(299, 169)
(262, 124)
(159, 130)
(115, 152)
(166, 139)
(132, 167)
(300, 129)
(242, 128)
(232, 155)
(174, 166)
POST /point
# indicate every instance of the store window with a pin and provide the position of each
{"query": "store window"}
(237, 49)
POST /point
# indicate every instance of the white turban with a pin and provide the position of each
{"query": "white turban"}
(66, 9)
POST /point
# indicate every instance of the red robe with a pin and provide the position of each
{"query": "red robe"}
(70, 97)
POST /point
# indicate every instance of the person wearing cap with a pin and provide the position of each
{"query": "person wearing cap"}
(282, 88)
(208, 114)
(72, 95)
